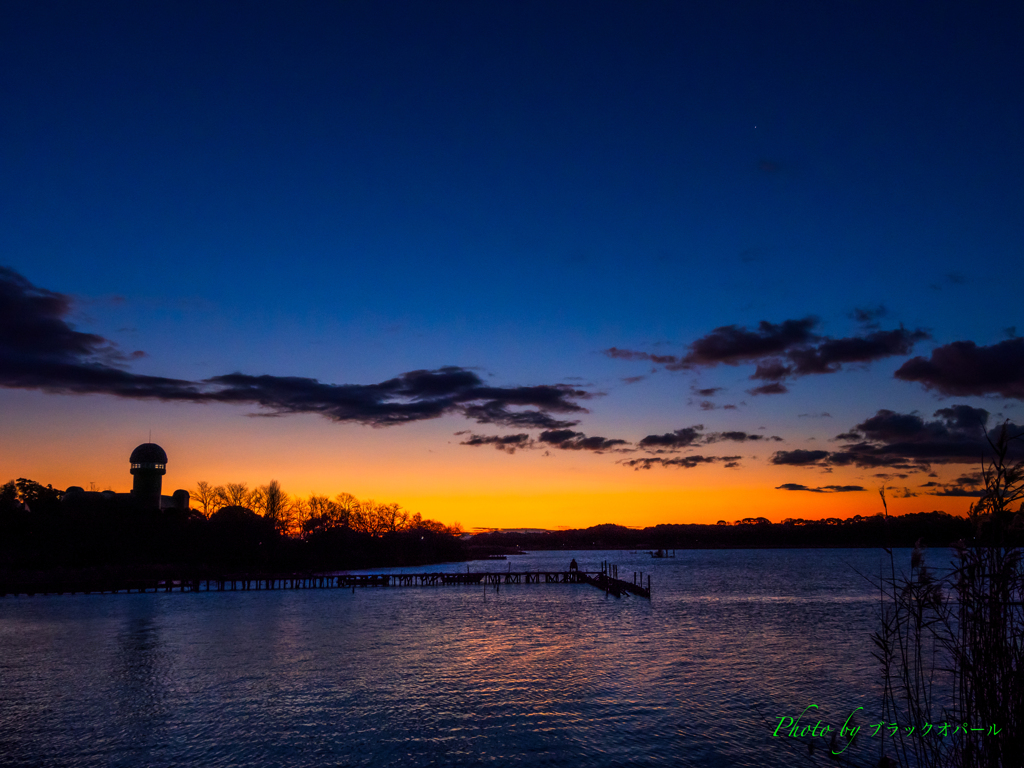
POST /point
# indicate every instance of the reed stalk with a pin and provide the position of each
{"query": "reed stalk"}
(951, 646)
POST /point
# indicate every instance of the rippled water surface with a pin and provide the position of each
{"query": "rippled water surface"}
(531, 675)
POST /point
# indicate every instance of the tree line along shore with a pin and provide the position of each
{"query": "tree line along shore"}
(234, 528)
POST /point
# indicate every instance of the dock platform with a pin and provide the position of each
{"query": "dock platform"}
(605, 580)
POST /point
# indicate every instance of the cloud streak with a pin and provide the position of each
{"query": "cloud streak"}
(567, 440)
(963, 369)
(820, 489)
(562, 439)
(506, 443)
(681, 462)
(688, 437)
(40, 350)
(958, 435)
(786, 350)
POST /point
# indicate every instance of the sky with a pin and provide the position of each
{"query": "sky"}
(516, 264)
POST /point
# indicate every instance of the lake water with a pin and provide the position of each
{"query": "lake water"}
(558, 675)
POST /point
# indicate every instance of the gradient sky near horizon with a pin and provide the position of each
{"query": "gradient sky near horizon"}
(515, 264)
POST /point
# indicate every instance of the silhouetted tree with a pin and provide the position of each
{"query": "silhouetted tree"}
(298, 514)
(238, 495)
(320, 513)
(417, 523)
(9, 503)
(347, 506)
(373, 517)
(206, 496)
(37, 497)
(256, 501)
(220, 497)
(275, 505)
(393, 517)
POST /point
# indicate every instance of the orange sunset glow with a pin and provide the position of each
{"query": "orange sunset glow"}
(574, 384)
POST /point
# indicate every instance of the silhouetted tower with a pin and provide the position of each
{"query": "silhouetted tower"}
(149, 465)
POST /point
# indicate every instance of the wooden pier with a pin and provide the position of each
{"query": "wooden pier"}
(605, 580)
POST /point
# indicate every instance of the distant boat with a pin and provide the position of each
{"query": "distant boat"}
(662, 553)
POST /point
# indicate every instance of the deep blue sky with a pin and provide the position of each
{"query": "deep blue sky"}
(348, 191)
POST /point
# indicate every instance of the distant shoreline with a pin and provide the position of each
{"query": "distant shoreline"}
(933, 529)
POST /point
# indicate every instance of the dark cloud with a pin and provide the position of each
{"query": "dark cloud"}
(688, 437)
(563, 439)
(962, 369)
(740, 437)
(495, 412)
(772, 370)
(633, 379)
(907, 441)
(680, 438)
(732, 345)
(507, 443)
(684, 462)
(40, 350)
(890, 427)
(972, 493)
(832, 354)
(964, 418)
(549, 397)
(822, 415)
(412, 396)
(775, 388)
(32, 324)
(971, 485)
(567, 440)
(709, 392)
(799, 457)
(786, 350)
(821, 489)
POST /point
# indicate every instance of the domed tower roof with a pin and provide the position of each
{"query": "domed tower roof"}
(148, 453)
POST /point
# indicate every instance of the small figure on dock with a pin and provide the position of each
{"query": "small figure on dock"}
(573, 566)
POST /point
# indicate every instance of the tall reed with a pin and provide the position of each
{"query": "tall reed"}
(951, 647)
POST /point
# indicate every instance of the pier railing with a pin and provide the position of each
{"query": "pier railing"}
(604, 579)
